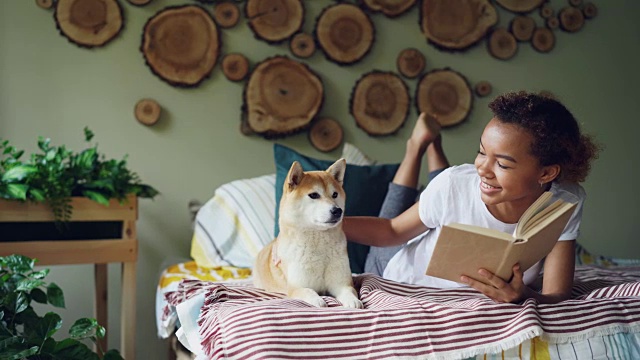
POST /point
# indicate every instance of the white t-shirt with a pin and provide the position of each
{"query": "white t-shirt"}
(454, 196)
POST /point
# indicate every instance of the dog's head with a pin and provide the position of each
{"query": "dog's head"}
(313, 199)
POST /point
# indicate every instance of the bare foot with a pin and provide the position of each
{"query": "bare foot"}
(426, 131)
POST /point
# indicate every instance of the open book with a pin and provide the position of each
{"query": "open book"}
(463, 249)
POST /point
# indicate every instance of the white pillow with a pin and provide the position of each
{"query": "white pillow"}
(238, 221)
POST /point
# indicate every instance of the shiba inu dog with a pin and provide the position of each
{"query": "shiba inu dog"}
(309, 256)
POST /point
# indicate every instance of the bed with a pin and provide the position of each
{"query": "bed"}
(210, 306)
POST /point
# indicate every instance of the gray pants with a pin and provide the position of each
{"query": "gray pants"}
(399, 198)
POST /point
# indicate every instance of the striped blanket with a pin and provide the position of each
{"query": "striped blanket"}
(405, 321)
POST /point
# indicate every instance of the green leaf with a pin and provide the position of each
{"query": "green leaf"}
(96, 196)
(18, 354)
(55, 295)
(88, 134)
(18, 263)
(37, 195)
(39, 296)
(40, 274)
(22, 302)
(112, 355)
(70, 349)
(27, 285)
(48, 325)
(18, 172)
(84, 328)
(17, 191)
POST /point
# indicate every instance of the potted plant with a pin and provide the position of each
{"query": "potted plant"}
(56, 174)
(26, 335)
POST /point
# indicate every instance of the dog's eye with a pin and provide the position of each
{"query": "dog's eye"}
(335, 195)
(314, 195)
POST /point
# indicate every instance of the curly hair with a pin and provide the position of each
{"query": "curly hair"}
(557, 138)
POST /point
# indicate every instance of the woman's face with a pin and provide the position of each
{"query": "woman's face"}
(509, 173)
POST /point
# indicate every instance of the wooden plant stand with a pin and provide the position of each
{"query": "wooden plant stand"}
(100, 252)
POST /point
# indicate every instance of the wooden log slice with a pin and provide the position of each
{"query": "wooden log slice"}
(89, 23)
(456, 24)
(274, 20)
(344, 33)
(281, 97)
(235, 67)
(502, 44)
(590, 10)
(483, 88)
(302, 45)
(575, 3)
(226, 14)
(546, 11)
(147, 111)
(326, 134)
(411, 63)
(380, 103)
(520, 6)
(553, 23)
(571, 19)
(543, 40)
(522, 27)
(445, 94)
(45, 4)
(390, 8)
(181, 45)
(139, 2)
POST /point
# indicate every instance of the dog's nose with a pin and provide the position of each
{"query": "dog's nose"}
(336, 211)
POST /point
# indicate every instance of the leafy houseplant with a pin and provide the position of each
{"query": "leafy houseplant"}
(56, 174)
(26, 335)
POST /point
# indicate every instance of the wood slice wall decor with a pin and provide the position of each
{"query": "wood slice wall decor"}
(456, 24)
(520, 6)
(274, 20)
(302, 45)
(181, 45)
(344, 33)
(411, 63)
(445, 94)
(483, 88)
(390, 8)
(282, 96)
(235, 66)
(571, 19)
(147, 111)
(89, 23)
(543, 40)
(45, 4)
(590, 10)
(326, 134)
(522, 27)
(226, 14)
(139, 2)
(380, 103)
(502, 44)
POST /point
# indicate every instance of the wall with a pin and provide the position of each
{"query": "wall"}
(53, 88)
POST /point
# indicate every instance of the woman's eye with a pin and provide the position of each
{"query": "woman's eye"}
(334, 195)
(502, 166)
(480, 153)
(314, 195)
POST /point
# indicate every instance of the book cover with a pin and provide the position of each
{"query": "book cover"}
(463, 249)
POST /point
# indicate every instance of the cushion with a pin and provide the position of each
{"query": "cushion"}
(365, 186)
(232, 227)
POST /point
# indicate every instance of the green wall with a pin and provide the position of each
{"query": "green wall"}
(53, 88)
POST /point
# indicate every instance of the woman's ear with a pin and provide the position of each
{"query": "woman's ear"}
(549, 173)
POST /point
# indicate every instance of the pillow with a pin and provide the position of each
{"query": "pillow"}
(235, 224)
(366, 188)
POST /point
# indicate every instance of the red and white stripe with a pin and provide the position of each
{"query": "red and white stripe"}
(405, 321)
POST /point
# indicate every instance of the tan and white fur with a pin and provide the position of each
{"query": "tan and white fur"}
(309, 256)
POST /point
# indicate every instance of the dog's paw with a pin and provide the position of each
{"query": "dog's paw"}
(309, 296)
(316, 301)
(350, 301)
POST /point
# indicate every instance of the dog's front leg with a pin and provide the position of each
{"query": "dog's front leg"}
(347, 296)
(306, 294)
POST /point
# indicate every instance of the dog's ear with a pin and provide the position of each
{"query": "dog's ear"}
(295, 175)
(337, 170)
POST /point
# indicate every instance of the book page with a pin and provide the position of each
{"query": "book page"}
(535, 208)
(540, 216)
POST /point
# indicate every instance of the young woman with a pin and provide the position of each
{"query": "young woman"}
(531, 145)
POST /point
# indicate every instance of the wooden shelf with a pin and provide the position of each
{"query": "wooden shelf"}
(100, 252)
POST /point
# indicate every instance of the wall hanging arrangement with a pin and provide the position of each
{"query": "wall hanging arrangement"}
(235, 67)
(89, 23)
(446, 94)
(380, 103)
(274, 20)
(226, 14)
(281, 97)
(302, 45)
(181, 45)
(344, 33)
(411, 63)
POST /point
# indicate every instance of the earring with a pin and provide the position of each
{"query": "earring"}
(542, 184)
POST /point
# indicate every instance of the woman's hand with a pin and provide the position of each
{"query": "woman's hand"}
(500, 291)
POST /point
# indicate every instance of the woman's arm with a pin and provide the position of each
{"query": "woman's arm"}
(384, 232)
(557, 282)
